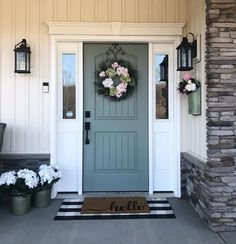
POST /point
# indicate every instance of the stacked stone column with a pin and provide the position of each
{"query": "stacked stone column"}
(220, 175)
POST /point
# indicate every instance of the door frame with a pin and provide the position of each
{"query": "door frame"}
(115, 32)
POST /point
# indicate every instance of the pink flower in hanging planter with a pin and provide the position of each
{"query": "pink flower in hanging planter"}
(187, 77)
(188, 85)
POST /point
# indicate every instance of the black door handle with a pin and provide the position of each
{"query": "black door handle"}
(87, 128)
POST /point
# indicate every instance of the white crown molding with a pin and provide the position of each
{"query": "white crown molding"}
(115, 28)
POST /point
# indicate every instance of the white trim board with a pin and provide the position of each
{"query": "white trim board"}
(115, 28)
(69, 32)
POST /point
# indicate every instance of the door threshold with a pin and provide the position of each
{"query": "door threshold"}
(63, 195)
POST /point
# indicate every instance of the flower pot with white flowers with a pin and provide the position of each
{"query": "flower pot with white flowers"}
(48, 175)
(20, 186)
(191, 87)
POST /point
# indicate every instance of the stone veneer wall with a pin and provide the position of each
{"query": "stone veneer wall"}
(193, 186)
(20, 161)
(220, 174)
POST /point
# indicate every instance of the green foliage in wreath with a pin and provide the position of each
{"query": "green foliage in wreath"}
(116, 79)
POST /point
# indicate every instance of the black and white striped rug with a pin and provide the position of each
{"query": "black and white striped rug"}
(159, 209)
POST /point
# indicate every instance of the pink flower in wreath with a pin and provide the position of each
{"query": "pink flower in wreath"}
(118, 94)
(115, 65)
(125, 72)
(119, 70)
(122, 87)
(102, 74)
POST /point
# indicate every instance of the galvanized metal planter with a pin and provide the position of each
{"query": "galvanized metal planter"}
(20, 204)
(42, 199)
(194, 102)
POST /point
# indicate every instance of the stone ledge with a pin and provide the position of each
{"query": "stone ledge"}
(18, 161)
(24, 156)
(191, 159)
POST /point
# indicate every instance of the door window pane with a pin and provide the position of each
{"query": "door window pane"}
(161, 82)
(69, 85)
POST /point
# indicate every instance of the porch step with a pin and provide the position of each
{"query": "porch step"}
(63, 195)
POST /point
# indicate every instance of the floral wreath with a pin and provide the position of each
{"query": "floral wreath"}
(116, 80)
(188, 85)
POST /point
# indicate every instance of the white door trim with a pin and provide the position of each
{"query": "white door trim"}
(114, 32)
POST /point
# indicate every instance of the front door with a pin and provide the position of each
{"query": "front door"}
(116, 149)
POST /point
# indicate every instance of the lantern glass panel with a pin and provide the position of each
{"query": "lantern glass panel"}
(28, 61)
(190, 59)
(21, 60)
(184, 59)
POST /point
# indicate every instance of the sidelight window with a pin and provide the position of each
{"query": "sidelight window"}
(161, 83)
(69, 85)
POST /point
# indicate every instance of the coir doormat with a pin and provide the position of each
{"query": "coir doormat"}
(114, 205)
(77, 209)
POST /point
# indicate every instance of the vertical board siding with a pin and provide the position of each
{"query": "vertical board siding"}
(20, 85)
(7, 75)
(88, 10)
(60, 10)
(130, 11)
(23, 106)
(34, 96)
(193, 131)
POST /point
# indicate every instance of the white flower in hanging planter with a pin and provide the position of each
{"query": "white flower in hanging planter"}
(191, 87)
(188, 85)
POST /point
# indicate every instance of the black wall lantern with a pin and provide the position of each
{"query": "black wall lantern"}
(186, 51)
(22, 57)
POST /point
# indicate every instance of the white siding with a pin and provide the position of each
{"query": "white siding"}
(193, 128)
(25, 108)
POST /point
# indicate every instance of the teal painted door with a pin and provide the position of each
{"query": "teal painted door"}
(116, 158)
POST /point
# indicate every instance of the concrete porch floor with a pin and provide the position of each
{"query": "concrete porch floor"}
(38, 227)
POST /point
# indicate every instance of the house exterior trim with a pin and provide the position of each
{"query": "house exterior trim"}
(174, 38)
(115, 28)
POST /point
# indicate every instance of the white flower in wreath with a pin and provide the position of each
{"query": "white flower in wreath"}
(107, 82)
(119, 70)
(191, 87)
(122, 87)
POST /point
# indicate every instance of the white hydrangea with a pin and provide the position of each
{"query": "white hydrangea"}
(191, 87)
(48, 173)
(8, 178)
(107, 82)
(30, 177)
